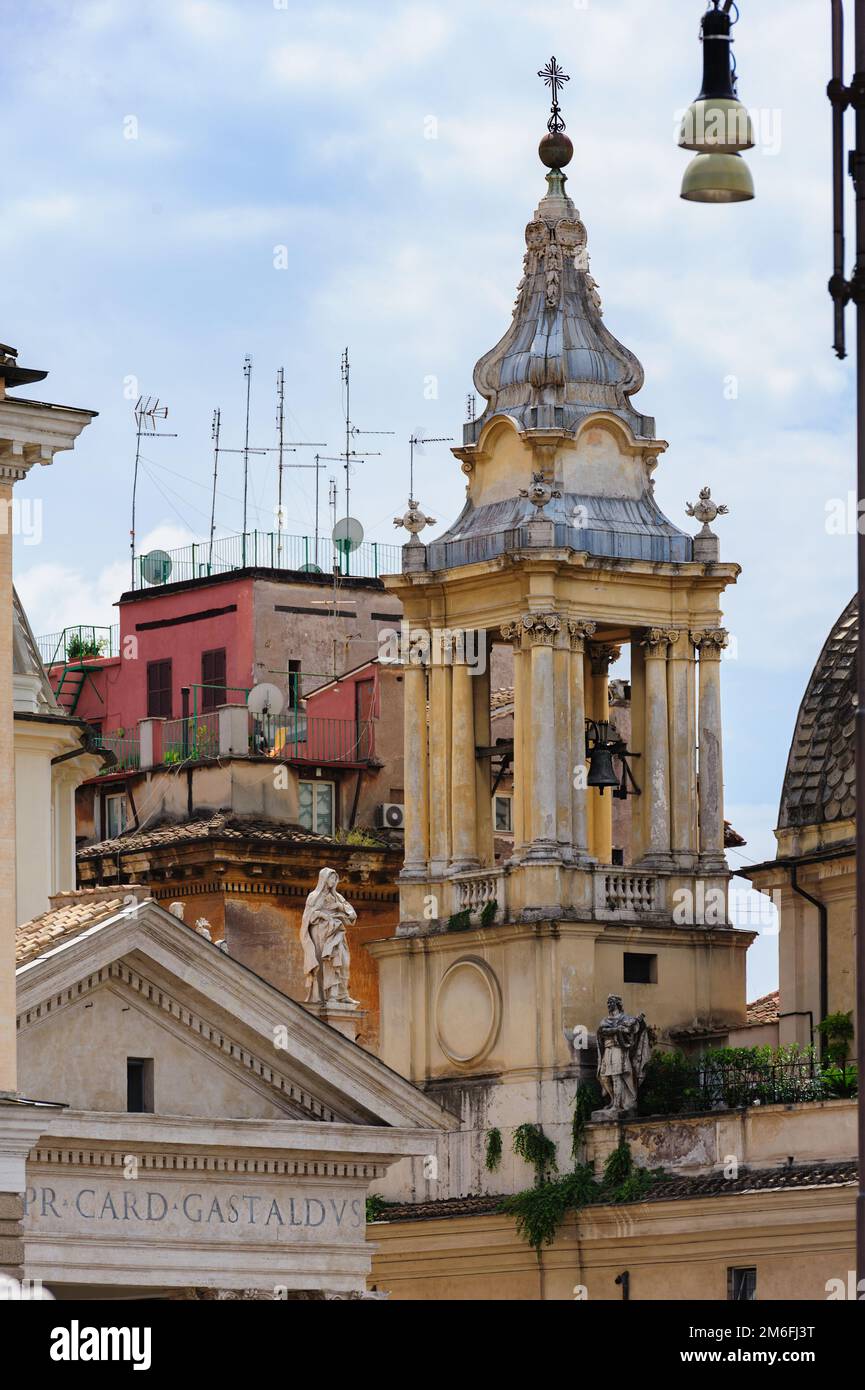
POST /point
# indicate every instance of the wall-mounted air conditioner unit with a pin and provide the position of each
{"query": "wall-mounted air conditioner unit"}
(390, 816)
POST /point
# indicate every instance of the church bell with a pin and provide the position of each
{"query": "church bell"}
(600, 754)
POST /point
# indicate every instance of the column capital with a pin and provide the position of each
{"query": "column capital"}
(658, 639)
(579, 632)
(536, 628)
(710, 641)
(602, 656)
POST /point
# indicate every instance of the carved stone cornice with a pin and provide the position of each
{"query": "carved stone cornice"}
(710, 641)
(658, 639)
(12, 472)
(579, 632)
(602, 656)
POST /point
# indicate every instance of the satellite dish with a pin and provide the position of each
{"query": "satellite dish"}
(155, 567)
(311, 569)
(347, 534)
(265, 699)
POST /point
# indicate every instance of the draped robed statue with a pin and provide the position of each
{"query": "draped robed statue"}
(326, 957)
(624, 1048)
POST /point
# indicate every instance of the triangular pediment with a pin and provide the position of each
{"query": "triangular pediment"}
(144, 984)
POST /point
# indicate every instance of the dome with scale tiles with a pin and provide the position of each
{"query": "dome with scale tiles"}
(820, 782)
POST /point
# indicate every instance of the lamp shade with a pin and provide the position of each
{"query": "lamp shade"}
(716, 125)
(717, 178)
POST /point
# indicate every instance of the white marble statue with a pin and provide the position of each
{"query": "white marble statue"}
(326, 957)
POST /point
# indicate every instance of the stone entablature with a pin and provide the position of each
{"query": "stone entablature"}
(157, 1203)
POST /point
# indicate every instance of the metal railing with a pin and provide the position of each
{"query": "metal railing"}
(294, 736)
(710, 1085)
(264, 550)
(196, 737)
(81, 643)
(125, 747)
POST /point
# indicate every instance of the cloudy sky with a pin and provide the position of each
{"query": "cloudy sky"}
(188, 181)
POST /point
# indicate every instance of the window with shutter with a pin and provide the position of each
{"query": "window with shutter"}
(159, 690)
(213, 679)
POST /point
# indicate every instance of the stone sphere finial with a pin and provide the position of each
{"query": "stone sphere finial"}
(414, 520)
(706, 510)
(556, 149)
(540, 492)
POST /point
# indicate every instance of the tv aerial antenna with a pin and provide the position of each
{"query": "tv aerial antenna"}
(280, 448)
(214, 434)
(290, 446)
(148, 414)
(351, 433)
(417, 442)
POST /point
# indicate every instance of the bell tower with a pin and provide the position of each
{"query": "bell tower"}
(562, 554)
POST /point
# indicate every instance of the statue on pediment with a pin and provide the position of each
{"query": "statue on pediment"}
(324, 939)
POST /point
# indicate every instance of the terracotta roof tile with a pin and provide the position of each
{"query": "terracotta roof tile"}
(810, 1175)
(764, 1009)
(68, 919)
(222, 826)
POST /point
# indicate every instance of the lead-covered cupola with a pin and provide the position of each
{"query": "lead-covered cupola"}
(558, 388)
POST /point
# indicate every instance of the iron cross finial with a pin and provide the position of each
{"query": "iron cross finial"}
(554, 77)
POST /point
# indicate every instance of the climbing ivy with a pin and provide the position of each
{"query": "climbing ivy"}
(531, 1144)
(540, 1211)
(494, 1149)
(488, 912)
(376, 1207)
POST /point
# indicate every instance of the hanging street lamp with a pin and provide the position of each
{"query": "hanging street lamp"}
(717, 126)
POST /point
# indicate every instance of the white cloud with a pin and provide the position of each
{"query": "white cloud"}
(57, 596)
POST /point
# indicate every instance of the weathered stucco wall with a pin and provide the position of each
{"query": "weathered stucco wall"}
(679, 1250)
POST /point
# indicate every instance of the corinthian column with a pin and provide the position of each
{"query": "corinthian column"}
(513, 633)
(464, 830)
(683, 753)
(710, 643)
(416, 771)
(439, 765)
(656, 783)
(579, 632)
(542, 631)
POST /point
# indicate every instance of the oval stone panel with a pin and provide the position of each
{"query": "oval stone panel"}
(467, 1011)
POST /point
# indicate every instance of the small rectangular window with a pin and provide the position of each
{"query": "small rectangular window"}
(159, 689)
(504, 814)
(213, 679)
(139, 1085)
(115, 815)
(316, 804)
(295, 682)
(640, 969)
(742, 1285)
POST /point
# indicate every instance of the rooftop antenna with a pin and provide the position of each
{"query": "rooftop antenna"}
(292, 446)
(247, 372)
(148, 412)
(214, 434)
(417, 441)
(471, 406)
(351, 431)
